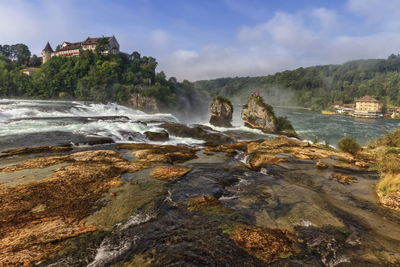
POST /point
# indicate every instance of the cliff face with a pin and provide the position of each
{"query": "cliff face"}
(259, 115)
(144, 103)
(221, 112)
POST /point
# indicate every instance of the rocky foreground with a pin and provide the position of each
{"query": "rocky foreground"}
(279, 202)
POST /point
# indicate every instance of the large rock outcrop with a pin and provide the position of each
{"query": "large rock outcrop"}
(144, 103)
(259, 115)
(221, 112)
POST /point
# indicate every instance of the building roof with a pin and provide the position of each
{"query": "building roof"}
(90, 41)
(48, 48)
(71, 46)
(338, 103)
(367, 98)
(349, 105)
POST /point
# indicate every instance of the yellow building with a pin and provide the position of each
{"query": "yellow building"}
(368, 107)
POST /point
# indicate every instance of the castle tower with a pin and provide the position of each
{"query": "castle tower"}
(46, 52)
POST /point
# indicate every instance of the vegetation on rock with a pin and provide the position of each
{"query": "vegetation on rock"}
(267, 244)
(349, 144)
(258, 114)
(390, 139)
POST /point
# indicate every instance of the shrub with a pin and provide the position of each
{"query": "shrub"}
(282, 123)
(389, 182)
(391, 139)
(349, 144)
(388, 162)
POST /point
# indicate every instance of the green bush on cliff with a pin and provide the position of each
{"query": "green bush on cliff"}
(223, 99)
(349, 144)
(283, 124)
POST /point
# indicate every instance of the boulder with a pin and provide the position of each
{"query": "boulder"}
(199, 132)
(221, 112)
(259, 115)
(157, 136)
(144, 103)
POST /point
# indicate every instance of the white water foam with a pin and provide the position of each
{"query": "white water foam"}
(110, 250)
(36, 116)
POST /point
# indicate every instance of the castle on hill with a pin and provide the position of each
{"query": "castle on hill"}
(74, 49)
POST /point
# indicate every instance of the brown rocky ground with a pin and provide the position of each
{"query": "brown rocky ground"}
(35, 216)
(163, 154)
(36, 149)
(168, 172)
(267, 244)
(343, 178)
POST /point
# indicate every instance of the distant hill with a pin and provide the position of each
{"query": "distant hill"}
(319, 86)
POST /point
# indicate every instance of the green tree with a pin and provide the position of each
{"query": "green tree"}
(101, 45)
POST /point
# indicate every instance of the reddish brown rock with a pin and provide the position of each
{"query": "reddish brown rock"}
(167, 172)
(266, 244)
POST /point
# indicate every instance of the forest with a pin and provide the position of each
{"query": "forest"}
(318, 87)
(112, 78)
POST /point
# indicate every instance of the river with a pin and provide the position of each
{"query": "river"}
(310, 125)
(18, 117)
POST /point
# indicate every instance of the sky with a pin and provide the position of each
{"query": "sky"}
(205, 39)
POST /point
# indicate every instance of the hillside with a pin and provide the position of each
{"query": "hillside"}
(95, 77)
(319, 86)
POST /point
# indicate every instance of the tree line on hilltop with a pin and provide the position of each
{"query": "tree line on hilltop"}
(319, 87)
(91, 77)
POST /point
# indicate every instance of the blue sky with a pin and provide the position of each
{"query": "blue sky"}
(201, 39)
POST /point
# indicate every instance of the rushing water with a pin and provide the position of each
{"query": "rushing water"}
(90, 119)
(119, 122)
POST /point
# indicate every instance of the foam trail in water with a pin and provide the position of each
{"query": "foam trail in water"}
(110, 249)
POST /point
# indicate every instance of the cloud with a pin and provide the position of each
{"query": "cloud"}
(185, 55)
(31, 23)
(383, 14)
(326, 19)
(287, 41)
(159, 38)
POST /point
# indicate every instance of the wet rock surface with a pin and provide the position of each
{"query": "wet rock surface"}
(253, 203)
(49, 139)
(221, 112)
(259, 115)
(197, 132)
(157, 136)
